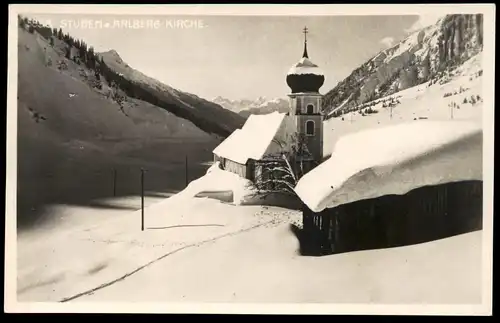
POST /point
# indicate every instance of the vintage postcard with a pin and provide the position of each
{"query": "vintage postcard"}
(296, 159)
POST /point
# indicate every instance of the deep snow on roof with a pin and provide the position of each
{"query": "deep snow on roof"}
(253, 139)
(229, 144)
(305, 66)
(394, 160)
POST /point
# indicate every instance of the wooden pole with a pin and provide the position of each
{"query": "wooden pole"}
(142, 199)
(114, 182)
(186, 171)
(451, 111)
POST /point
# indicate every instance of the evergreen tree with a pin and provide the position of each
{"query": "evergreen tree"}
(21, 21)
(83, 51)
(68, 52)
(479, 22)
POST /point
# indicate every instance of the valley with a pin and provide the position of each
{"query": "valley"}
(72, 136)
(89, 123)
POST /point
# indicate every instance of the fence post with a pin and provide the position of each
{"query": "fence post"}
(186, 171)
(114, 181)
(142, 199)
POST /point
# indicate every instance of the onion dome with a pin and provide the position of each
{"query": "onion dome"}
(305, 76)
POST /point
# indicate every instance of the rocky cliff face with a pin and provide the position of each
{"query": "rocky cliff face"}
(422, 56)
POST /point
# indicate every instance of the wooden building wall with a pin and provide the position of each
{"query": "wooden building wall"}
(234, 167)
(258, 169)
(422, 215)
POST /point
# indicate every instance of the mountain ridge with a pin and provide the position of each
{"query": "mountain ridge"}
(260, 105)
(207, 115)
(75, 128)
(424, 55)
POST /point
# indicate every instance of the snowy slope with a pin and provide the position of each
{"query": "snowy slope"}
(261, 266)
(207, 115)
(249, 256)
(72, 135)
(423, 55)
(457, 95)
(201, 250)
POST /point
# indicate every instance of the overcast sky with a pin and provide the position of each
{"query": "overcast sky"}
(239, 57)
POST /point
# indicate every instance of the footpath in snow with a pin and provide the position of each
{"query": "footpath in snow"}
(262, 266)
(64, 265)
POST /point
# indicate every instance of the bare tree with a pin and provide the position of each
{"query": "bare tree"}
(281, 171)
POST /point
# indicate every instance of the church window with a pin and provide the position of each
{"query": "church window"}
(310, 128)
(310, 109)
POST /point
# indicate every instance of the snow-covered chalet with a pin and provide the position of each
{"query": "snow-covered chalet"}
(378, 190)
(264, 138)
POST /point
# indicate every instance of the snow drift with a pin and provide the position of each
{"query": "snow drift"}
(394, 160)
(218, 184)
(228, 187)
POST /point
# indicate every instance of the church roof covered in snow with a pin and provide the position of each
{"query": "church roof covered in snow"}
(256, 138)
(305, 76)
(305, 66)
(394, 160)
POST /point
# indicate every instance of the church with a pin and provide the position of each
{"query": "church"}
(264, 139)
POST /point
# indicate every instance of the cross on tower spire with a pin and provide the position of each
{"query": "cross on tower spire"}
(305, 31)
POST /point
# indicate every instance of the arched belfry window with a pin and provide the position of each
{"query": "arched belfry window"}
(310, 109)
(310, 128)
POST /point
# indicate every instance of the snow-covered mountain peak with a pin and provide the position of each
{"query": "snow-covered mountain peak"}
(260, 105)
(422, 55)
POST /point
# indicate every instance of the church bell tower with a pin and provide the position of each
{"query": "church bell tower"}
(305, 79)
